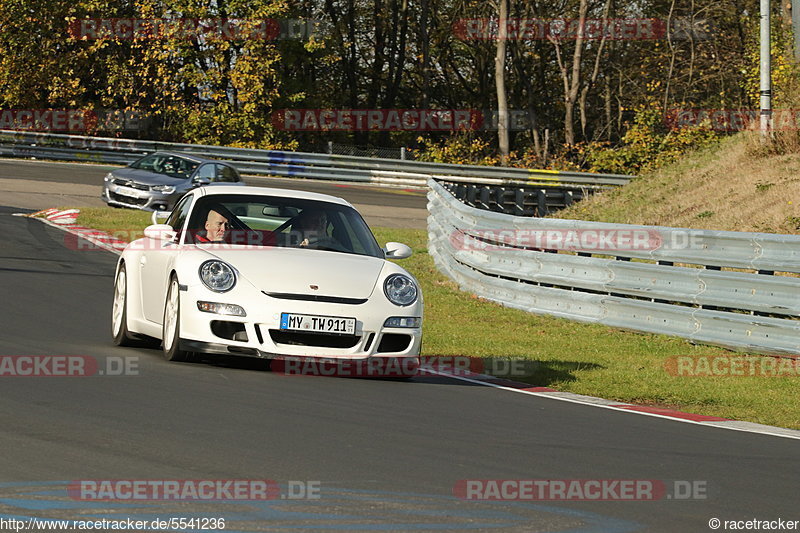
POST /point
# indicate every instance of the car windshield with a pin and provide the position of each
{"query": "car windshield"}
(283, 222)
(167, 164)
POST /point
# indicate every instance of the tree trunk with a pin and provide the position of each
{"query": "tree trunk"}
(500, 81)
(572, 81)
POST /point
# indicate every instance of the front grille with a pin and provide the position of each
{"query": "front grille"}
(316, 298)
(126, 199)
(317, 340)
(132, 184)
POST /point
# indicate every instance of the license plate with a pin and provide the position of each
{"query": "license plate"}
(127, 191)
(318, 324)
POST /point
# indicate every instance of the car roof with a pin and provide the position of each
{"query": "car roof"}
(193, 157)
(270, 191)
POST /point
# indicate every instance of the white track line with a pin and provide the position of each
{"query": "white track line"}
(748, 427)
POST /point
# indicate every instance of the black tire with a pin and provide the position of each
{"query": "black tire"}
(119, 311)
(171, 324)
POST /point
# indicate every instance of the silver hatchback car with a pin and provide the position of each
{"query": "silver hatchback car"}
(156, 181)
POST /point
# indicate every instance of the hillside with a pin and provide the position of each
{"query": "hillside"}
(724, 187)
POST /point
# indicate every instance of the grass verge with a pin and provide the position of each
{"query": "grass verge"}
(721, 187)
(570, 356)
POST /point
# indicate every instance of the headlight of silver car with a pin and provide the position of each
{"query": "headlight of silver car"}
(108, 177)
(217, 276)
(400, 289)
(166, 189)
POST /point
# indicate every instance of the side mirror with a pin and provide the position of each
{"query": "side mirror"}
(160, 232)
(201, 182)
(397, 250)
(159, 215)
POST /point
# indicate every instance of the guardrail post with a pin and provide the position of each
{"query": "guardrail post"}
(541, 198)
(500, 199)
(519, 202)
(484, 204)
(472, 192)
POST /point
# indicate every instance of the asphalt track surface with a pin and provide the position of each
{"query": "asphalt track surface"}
(386, 454)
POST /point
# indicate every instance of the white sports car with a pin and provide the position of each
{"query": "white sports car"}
(268, 273)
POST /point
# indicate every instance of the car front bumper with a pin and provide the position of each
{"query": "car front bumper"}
(117, 195)
(259, 335)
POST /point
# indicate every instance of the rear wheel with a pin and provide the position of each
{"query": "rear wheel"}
(119, 312)
(172, 324)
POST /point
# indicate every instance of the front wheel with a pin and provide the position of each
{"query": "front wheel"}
(172, 324)
(119, 312)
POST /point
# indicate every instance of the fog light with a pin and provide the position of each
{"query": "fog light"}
(403, 322)
(221, 309)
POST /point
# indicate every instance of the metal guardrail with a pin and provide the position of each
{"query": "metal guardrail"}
(490, 254)
(298, 164)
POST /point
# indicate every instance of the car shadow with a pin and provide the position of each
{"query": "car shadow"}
(439, 370)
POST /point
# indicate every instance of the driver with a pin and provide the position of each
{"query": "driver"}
(215, 227)
(312, 225)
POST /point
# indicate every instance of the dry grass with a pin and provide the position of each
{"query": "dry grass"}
(734, 185)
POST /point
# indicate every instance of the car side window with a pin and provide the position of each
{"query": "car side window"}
(206, 171)
(226, 174)
(178, 216)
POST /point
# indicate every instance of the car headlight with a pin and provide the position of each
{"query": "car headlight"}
(400, 289)
(217, 276)
(166, 189)
(108, 177)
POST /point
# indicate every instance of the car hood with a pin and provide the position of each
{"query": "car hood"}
(146, 177)
(295, 271)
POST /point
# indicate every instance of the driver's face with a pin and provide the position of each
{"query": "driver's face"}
(313, 221)
(216, 225)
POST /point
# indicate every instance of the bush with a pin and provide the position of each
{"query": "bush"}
(459, 148)
(220, 125)
(648, 144)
